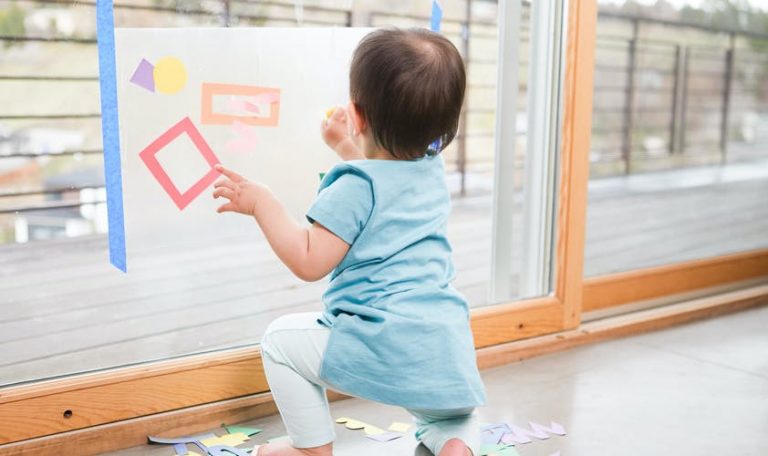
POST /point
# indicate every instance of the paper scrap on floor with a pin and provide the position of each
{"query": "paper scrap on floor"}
(399, 427)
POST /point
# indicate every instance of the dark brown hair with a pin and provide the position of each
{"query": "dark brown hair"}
(408, 85)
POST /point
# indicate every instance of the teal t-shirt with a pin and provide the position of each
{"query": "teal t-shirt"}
(400, 332)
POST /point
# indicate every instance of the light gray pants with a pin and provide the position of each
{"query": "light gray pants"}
(292, 351)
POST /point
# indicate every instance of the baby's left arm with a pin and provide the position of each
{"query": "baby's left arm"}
(309, 252)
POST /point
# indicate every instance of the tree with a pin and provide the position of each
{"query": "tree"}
(12, 23)
(181, 5)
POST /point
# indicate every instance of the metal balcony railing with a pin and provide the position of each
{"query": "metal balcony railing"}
(660, 102)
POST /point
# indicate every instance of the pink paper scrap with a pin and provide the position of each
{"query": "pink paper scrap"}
(245, 139)
(251, 107)
(267, 98)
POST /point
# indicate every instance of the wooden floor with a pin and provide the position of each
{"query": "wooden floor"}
(63, 309)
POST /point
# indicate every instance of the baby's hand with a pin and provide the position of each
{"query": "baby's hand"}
(335, 133)
(335, 128)
(242, 194)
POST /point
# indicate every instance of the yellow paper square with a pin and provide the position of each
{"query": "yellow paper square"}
(227, 439)
(211, 441)
(399, 427)
(356, 425)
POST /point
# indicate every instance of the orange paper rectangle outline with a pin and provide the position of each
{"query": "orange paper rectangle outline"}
(209, 90)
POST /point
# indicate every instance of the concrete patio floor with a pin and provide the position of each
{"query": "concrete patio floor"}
(696, 389)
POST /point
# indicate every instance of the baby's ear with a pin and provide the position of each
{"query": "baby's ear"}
(358, 123)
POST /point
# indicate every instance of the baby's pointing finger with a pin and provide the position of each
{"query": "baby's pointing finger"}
(229, 173)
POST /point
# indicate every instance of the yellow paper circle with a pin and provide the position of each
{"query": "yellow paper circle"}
(170, 75)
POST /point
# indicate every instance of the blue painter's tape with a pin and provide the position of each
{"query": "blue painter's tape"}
(437, 16)
(436, 146)
(105, 34)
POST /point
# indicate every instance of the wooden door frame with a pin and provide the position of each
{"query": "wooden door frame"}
(235, 378)
(561, 310)
(622, 288)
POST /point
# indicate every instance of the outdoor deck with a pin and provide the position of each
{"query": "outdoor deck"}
(65, 309)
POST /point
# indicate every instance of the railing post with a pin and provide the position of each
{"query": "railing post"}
(226, 13)
(461, 159)
(629, 99)
(683, 99)
(726, 99)
(674, 115)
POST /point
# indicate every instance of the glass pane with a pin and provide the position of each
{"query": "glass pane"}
(527, 151)
(64, 308)
(679, 160)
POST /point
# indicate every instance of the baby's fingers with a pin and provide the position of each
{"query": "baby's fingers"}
(229, 173)
(229, 207)
(335, 115)
(226, 183)
(225, 192)
(340, 115)
(340, 118)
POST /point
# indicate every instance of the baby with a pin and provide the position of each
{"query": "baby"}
(394, 330)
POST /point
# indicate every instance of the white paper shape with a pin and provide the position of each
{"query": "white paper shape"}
(310, 67)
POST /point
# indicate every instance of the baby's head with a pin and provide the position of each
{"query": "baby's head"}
(407, 89)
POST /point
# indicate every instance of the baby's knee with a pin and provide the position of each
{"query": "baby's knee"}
(268, 339)
(273, 326)
(455, 447)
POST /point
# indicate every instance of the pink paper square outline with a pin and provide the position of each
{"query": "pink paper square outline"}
(147, 155)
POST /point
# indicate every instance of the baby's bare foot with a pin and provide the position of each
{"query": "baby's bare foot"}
(284, 448)
(455, 447)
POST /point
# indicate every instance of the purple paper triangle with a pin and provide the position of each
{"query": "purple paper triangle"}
(144, 75)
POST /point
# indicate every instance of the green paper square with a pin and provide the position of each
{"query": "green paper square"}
(249, 431)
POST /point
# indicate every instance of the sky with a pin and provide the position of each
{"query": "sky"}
(762, 4)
